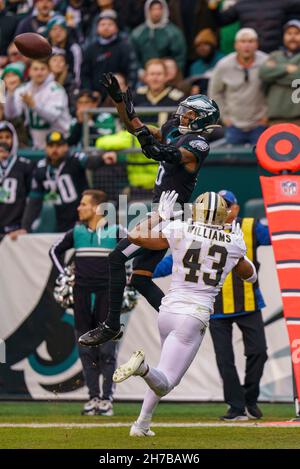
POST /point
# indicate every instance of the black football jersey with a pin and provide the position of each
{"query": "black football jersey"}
(62, 185)
(175, 176)
(15, 178)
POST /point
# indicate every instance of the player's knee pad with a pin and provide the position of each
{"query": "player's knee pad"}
(140, 282)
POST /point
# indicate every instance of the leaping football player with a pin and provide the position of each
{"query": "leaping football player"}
(180, 147)
(203, 255)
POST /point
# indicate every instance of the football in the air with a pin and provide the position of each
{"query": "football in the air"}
(33, 45)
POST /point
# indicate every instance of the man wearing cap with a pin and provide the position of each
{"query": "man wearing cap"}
(240, 303)
(278, 74)
(15, 178)
(109, 52)
(59, 178)
(36, 21)
(237, 88)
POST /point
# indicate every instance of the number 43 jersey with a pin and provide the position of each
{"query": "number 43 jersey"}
(202, 258)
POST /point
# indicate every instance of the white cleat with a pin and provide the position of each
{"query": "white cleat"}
(139, 431)
(130, 368)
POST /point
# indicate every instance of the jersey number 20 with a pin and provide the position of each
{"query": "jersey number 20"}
(191, 261)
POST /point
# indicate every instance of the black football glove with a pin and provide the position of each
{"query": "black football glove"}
(127, 98)
(112, 86)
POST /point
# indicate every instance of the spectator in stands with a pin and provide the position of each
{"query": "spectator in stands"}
(15, 179)
(278, 74)
(59, 68)
(20, 8)
(108, 53)
(43, 101)
(76, 13)
(96, 9)
(60, 177)
(237, 88)
(175, 76)
(158, 37)
(59, 36)
(267, 17)
(155, 92)
(99, 124)
(191, 16)
(8, 24)
(15, 56)
(13, 75)
(206, 46)
(37, 20)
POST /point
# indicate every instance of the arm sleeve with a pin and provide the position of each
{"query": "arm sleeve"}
(89, 161)
(262, 235)
(55, 106)
(271, 74)
(228, 16)
(216, 89)
(59, 248)
(32, 210)
(164, 268)
(13, 106)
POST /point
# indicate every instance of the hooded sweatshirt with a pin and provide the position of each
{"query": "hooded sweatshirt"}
(51, 110)
(15, 178)
(157, 40)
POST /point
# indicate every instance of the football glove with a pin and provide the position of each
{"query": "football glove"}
(112, 86)
(166, 206)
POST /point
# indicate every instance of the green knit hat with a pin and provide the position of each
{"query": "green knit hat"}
(17, 67)
(56, 20)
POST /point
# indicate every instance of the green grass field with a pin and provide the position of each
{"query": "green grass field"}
(65, 414)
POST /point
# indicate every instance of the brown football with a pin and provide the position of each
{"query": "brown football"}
(33, 45)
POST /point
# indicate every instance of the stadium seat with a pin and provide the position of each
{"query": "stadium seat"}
(254, 208)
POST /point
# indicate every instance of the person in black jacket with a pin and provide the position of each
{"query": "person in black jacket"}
(8, 24)
(267, 17)
(15, 178)
(63, 38)
(107, 53)
(60, 177)
(36, 21)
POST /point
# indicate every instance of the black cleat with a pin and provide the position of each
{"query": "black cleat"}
(100, 335)
(253, 412)
(233, 415)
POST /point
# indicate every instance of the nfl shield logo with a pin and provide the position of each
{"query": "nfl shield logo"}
(289, 187)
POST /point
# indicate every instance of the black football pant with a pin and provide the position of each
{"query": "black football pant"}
(252, 328)
(144, 259)
(91, 307)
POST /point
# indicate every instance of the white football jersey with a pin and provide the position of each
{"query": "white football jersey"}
(202, 258)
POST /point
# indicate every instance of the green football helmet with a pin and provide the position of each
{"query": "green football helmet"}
(206, 109)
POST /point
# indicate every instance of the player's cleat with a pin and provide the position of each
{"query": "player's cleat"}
(136, 430)
(105, 408)
(100, 335)
(234, 415)
(91, 407)
(132, 367)
(253, 412)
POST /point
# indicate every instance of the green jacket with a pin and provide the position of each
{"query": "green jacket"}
(158, 43)
(138, 176)
(279, 85)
